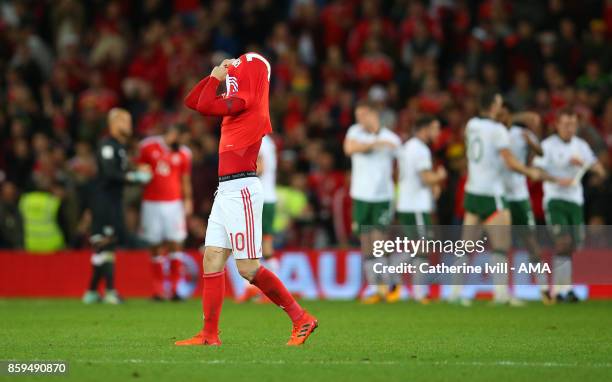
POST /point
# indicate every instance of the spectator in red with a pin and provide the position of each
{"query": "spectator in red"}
(325, 181)
(150, 65)
(336, 17)
(103, 99)
(371, 26)
(335, 69)
(374, 66)
(416, 18)
(151, 122)
(420, 44)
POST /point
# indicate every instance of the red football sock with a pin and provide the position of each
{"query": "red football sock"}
(157, 268)
(274, 289)
(175, 273)
(213, 291)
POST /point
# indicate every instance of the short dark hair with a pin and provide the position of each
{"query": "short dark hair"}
(424, 122)
(486, 99)
(566, 111)
(508, 106)
(366, 103)
(179, 127)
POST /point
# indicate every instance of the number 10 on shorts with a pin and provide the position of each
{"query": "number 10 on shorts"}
(237, 241)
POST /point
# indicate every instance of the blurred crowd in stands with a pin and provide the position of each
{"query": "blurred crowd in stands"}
(65, 63)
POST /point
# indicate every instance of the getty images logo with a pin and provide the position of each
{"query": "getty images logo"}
(412, 247)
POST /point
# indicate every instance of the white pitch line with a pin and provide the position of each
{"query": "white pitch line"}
(353, 362)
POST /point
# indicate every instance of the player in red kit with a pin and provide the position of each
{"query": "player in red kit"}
(235, 225)
(166, 202)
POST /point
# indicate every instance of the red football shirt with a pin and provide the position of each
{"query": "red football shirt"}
(168, 168)
(249, 79)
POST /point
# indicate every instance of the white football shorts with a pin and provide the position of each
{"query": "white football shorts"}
(162, 221)
(235, 219)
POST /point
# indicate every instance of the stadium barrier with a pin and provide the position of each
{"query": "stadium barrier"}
(310, 274)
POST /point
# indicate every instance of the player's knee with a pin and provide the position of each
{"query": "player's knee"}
(248, 274)
(565, 251)
(214, 259)
(564, 245)
(247, 268)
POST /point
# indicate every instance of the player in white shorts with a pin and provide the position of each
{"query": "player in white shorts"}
(373, 149)
(419, 186)
(524, 145)
(166, 201)
(266, 171)
(568, 156)
(235, 220)
(489, 155)
(234, 225)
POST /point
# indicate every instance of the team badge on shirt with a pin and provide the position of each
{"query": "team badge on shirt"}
(231, 84)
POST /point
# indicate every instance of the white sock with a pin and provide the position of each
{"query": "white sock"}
(98, 258)
(562, 274)
(419, 287)
(501, 292)
(396, 260)
(458, 280)
(542, 280)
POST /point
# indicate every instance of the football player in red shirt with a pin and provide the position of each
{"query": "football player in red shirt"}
(166, 202)
(235, 225)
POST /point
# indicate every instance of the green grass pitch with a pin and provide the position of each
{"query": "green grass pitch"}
(404, 341)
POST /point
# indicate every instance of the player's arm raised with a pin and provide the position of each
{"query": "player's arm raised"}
(533, 122)
(208, 102)
(533, 144)
(191, 100)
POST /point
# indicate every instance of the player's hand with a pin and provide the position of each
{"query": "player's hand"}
(527, 137)
(436, 191)
(441, 173)
(138, 177)
(227, 62)
(219, 72)
(144, 168)
(382, 144)
(532, 120)
(533, 173)
(565, 182)
(575, 161)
